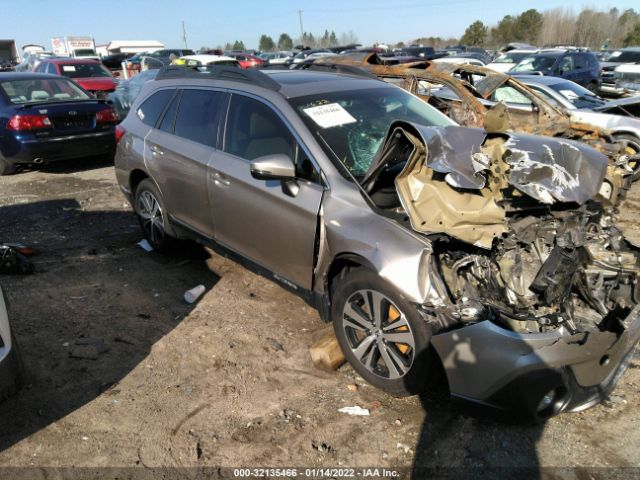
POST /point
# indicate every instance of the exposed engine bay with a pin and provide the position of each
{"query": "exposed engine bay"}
(520, 232)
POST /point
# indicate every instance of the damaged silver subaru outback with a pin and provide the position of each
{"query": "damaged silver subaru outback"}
(422, 241)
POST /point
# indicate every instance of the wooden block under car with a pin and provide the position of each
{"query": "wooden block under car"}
(325, 351)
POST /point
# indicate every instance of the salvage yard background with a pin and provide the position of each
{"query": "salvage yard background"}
(122, 372)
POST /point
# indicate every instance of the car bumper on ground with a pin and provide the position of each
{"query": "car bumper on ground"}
(61, 148)
(10, 366)
(537, 375)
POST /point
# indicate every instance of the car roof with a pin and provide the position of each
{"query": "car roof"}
(72, 61)
(299, 83)
(540, 79)
(289, 83)
(516, 50)
(203, 57)
(8, 76)
(549, 53)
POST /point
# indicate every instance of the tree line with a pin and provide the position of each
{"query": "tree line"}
(286, 43)
(560, 26)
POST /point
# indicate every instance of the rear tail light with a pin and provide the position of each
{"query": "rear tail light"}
(20, 123)
(119, 133)
(106, 116)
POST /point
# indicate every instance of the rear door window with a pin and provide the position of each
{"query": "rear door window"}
(198, 116)
(151, 109)
(51, 68)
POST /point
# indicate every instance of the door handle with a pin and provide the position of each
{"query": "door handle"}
(156, 150)
(219, 179)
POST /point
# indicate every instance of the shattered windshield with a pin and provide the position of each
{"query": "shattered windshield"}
(511, 57)
(579, 96)
(536, 63)
(351, 125)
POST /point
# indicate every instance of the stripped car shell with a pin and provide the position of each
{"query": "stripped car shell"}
(523, 280)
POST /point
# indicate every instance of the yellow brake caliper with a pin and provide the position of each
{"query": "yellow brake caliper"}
(394, 315)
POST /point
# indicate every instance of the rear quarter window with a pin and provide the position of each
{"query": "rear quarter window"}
(150, 110)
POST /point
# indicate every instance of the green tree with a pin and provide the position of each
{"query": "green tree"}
(633, 37)
(629, 15)
(238, 45)
(503, 32)
(527, 26)
(324, 40)
(285, 42)
(266, 43)
(399, 45)
(333, 40)
(308, 40)
(475, 34)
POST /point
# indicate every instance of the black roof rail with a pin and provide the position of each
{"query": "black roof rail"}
(234, 74)
(335, 67)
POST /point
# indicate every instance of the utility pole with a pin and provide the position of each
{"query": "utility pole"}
(184, 35)
(301, 29)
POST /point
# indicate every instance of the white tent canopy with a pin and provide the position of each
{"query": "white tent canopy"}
(133, 46)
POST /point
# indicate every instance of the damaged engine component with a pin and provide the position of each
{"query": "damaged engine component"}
(524, 242)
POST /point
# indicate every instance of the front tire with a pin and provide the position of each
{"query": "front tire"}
(381, 333)
(152, 215)
(631, 145)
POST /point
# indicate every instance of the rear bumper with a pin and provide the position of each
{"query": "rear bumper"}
(501, 369)
(61, 148)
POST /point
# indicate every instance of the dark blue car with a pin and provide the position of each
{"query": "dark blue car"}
(581, 67)
(44, 118)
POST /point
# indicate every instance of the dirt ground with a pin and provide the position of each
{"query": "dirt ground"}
(121, 372)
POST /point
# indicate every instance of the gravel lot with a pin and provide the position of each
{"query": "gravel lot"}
(121, 372)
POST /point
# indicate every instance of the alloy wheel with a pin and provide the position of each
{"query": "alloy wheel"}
(150, 213)
(379, 334)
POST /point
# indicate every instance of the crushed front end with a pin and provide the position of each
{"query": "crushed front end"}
(540, 312)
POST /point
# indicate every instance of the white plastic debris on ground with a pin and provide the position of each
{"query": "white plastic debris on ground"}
(146, 246)
(359, 411)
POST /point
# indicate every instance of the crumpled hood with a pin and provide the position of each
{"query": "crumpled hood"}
(454, 177)
(544, 168)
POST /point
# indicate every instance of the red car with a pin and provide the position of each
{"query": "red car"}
(246, 60)
(89, 74)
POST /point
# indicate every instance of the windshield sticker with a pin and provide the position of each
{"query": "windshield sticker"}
(330, 115)
(569, 95)
(68, 68)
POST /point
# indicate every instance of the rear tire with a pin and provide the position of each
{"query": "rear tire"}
(6, 167)
(389, 348)
(153, 216)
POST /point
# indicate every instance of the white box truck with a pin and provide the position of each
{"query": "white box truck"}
(74, 47)
(8, 55)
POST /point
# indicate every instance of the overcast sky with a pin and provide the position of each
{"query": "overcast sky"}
(212, 23)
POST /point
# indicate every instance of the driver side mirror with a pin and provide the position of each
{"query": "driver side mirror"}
(277, 166)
